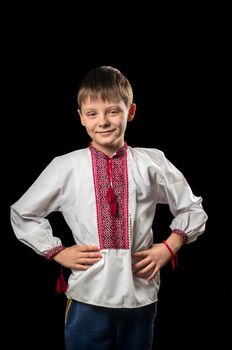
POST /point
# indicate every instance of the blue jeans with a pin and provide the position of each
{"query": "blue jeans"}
(89, 327)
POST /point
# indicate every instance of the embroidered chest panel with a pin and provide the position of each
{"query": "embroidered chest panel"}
(111, 193)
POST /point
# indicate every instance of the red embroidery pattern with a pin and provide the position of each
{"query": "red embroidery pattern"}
(113, 230)
(180, 233)
(52, 252)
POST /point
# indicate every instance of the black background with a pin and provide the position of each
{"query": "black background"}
(177, 70)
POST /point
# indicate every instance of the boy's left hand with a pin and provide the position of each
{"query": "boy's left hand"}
(150, 261)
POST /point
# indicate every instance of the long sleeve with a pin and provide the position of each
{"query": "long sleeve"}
(186, 208)
(28, 214)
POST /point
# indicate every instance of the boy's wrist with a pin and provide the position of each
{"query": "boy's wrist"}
(49, 255)
(180, 233)
(175, 242)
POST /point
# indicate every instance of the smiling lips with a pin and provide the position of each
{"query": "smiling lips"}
(104, 132)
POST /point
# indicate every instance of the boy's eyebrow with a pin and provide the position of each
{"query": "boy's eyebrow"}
(87, 109)
(114, 106)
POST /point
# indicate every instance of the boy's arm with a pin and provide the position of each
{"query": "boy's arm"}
(188, 222)
(28, 214)
(174, 190)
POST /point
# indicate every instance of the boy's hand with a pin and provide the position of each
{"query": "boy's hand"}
(150, 261)
(78, 257)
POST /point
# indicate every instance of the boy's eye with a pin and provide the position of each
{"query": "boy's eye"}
(113, 111)
(91, 115)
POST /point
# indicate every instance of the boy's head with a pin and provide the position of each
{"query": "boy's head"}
(106, 83)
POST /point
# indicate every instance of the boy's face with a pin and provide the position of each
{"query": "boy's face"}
(106, 122)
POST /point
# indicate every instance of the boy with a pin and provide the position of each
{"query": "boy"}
(108, 194)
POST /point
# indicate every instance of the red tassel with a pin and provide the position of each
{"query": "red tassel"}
(111, 199)
(61, 285)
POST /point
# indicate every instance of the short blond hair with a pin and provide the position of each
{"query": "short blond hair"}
(106, 83)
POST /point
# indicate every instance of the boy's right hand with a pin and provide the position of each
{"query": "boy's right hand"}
(78, 257)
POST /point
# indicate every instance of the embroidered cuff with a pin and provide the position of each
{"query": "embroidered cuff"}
(52, 252)
(180, 233)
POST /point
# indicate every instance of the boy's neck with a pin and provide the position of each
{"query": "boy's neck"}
(109, 151)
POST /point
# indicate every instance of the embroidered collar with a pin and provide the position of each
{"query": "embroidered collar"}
(118, 154)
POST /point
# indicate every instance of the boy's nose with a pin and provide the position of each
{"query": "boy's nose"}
(103, 121)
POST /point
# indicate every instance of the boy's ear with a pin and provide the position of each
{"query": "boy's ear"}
(81, 118)
(131, 112)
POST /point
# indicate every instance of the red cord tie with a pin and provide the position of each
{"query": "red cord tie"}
(111, 197)
(174, 257)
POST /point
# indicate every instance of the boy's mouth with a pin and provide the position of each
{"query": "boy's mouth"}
(105, 131)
